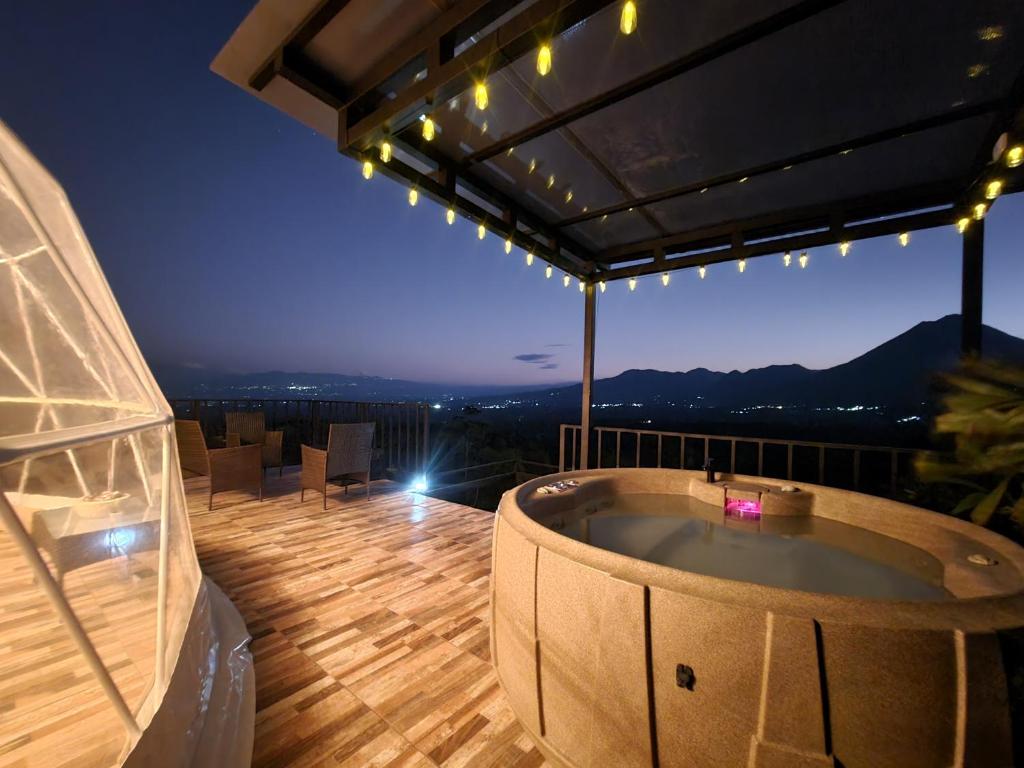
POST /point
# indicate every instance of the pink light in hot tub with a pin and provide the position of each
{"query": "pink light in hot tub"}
(742, 508)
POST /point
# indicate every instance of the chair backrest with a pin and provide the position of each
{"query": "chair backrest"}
(250, 426)
(349, 448)
(192, 446)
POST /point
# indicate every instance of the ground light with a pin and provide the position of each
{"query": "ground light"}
(419, 484)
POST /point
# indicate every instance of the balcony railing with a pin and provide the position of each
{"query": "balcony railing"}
(871, 468)
(401, 443)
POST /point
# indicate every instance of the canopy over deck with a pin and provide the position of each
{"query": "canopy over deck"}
(718, 130)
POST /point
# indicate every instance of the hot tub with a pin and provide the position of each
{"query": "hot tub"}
(647, 617)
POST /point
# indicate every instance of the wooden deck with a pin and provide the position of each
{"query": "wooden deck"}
(370, 626)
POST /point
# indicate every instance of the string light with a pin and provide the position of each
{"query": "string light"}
(741, 265)
(844, 248)
(428, 129)
(566, 280)
(665, 279)
(414, 197)
(543, 59)
(582, 286)
(904, 238)
(568, 196)
(1014, 156)
(548, 271)
(962, 223)
(627, 21)
(787, 259)
(529, 259)
(385, 152)
(702, 271)
(979, 211)
(551, 181)
(602, 286)
(804, 258)
(480, 96)
(508, 245)
(992, 189)
(449, 216)
(480, 231)
(533, 164)
(632, 283)
(367, 170)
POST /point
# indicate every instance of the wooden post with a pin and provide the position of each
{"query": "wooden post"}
(971, 289)
(589, 321)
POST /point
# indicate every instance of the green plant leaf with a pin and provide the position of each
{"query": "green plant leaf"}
(986, 507)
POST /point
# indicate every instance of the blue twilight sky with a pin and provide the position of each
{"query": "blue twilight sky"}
(235, 238)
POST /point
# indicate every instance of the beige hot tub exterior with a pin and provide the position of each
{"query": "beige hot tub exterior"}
(587, 642)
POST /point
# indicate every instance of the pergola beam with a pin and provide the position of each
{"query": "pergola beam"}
(542, 19)
(725, 45)
(743, 249)
(917, 126)
(792, 221)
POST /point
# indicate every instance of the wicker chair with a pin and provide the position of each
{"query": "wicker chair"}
(230, 469)
(249, 428)
(349, 452)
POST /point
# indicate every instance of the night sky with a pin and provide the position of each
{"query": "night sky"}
(235, 238)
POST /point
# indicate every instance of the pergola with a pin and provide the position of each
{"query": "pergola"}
(703, 132)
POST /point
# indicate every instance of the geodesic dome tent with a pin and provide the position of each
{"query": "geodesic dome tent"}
(112, 646)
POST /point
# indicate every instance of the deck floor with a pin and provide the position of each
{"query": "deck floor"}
(370, 626)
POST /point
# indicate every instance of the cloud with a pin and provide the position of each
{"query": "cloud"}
(550, 365)
(556, 345)
(533, 358)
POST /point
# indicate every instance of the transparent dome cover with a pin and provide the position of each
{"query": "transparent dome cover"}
(98, 574)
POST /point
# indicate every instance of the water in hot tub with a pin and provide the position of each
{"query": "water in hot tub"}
(815, 555)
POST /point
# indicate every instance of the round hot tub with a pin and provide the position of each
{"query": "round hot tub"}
(650, 618)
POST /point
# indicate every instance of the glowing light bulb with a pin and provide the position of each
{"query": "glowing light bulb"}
(449, 216)
(979, 211)
(787, 259)
(665, 279)
(568, 196)
(385, 152)
(414, 197)
(480, 232)
(741, 265)
(566, 280)
(367, 170)
(1015, 156)
(992, 189)
(627, 21)
(804, 258)
(844, 248)
(702, 271)
(480, 96)
(632, 283)
(428, 129)
(529, 259)
(962, 223)
(543, 59)
(551, 181)
(904, 239)
(548, 271)
(508, 245)
(602, 285)
(533, 164)
(583, 286)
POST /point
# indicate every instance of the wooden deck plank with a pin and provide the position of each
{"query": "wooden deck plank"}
(370, 622)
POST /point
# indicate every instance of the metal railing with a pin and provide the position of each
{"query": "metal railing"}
(842, 465)
(401, 442)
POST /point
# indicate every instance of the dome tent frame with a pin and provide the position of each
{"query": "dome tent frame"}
(89, 473)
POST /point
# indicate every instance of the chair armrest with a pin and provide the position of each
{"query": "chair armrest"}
(314, 467)
(233, 440)
(274, 439)
(272, 448)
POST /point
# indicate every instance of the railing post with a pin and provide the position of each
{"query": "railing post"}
(732, 456)
(821, 465)
(894, 468)
(561, 447)
(639, 437)
(789, 461)
(425, 462)
(589, 322)
(760, 458)
(600, 434)
(856, 468)
(659, 451)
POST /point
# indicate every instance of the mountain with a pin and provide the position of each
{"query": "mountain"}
(897, 374)
(185, 382)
